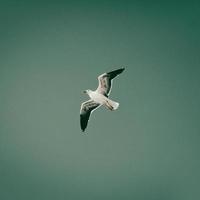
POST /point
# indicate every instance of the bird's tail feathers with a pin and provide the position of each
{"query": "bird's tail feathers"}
(112, 105)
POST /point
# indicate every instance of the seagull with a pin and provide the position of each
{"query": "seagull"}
(99, 97)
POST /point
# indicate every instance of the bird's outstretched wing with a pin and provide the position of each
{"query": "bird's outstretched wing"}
(87, 108)
(105, 81)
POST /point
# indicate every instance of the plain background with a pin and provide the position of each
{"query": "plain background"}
(53, 50)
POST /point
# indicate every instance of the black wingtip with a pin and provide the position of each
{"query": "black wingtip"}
(120, 70)
(123, 68)
(83, 129)
(115, 73)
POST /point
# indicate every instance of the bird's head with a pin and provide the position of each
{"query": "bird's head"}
(85, 91)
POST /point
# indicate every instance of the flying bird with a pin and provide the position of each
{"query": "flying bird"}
(99, 97)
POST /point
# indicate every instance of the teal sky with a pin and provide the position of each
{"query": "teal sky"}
(51, 51)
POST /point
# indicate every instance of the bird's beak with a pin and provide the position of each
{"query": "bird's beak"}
(84, 92)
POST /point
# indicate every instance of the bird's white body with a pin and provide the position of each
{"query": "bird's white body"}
(97, 97)
(102, 100)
